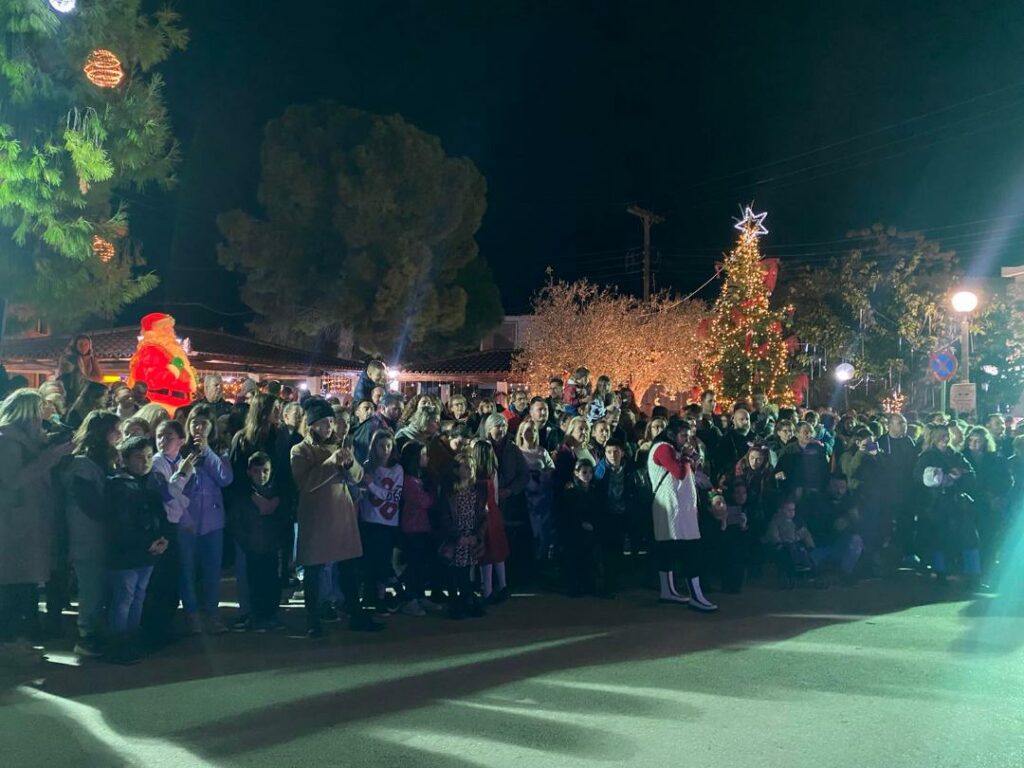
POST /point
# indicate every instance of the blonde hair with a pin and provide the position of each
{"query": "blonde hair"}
(572, 423)
(154, 414)
(21, 408)
(528, 428)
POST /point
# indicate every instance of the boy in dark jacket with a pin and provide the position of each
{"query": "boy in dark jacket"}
(258, 527)
(616, 482)
(135, 538)
(583, 511)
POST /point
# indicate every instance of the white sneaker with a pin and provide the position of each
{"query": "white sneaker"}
(413, 608)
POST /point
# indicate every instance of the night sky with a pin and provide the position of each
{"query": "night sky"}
(831, 116)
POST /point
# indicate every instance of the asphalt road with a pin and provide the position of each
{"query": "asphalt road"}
(885, 674)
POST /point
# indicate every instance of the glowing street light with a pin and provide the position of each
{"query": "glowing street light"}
(964, 301)
(844, 372)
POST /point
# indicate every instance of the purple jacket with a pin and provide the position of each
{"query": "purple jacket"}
(205, 512)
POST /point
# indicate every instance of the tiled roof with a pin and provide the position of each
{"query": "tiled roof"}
(490, 361)
(210, 350)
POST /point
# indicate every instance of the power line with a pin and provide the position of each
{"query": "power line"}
(856, 137)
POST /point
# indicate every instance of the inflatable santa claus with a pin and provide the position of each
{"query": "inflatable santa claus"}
(161, 364)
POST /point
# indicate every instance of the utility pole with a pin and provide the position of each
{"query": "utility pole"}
(647, 218)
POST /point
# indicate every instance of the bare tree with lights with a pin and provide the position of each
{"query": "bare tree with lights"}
(636, 344)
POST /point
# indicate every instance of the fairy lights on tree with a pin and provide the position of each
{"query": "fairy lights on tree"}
(104, 249)
(637, 344)
(103, 69)
(746, 351)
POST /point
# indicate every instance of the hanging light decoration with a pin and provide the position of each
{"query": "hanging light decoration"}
(63, 6)
(103, 69)
(104, 249)
(894, 403)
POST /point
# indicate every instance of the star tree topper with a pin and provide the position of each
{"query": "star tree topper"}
(752, 224)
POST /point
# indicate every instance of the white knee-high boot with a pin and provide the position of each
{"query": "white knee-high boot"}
(697, 600)
(668, 589)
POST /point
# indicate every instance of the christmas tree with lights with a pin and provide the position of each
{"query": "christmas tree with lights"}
(83, 126)
(746, 350)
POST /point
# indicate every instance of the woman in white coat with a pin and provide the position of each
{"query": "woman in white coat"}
(671, 470)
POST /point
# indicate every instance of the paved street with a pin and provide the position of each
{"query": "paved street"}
(877, 675)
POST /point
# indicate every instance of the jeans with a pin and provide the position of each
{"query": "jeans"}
(970, 561)
(348, 572)
(845, 553)
(127, 595)
(92, 593)
(203, 554)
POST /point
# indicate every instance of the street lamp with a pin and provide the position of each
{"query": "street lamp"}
(965, 302)
(844, 372)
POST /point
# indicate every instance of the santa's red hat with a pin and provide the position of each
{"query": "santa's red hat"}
(149, 321)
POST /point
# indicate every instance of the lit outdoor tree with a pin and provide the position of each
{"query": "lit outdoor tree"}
(634, 343)
(746, 352)
(83, 121)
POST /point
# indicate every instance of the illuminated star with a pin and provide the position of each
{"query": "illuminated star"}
(752, 224)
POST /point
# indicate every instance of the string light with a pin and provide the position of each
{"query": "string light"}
(63, 6)
(103, 69)
(894, 403)
(104, 249)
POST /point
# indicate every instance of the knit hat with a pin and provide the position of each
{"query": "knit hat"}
(494, 420)
(317, 408)
(247, 386)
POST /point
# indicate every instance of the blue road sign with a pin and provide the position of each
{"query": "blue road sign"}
(942, 364)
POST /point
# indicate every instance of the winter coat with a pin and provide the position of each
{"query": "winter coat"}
(513, 476)
(947, 518)
(26, 509)
(83, 483)
(674, 506)
(135, 519)
(255, 532)
(172, 486)
(205, 512)
(328, 522)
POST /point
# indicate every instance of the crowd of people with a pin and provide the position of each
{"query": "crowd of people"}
(377, 504)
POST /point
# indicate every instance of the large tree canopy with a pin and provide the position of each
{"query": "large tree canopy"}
(369, 225)
(68, 147)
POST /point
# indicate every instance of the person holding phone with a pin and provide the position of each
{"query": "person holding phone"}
(201, 528)
(172, 471)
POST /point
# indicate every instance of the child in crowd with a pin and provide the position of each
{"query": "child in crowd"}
(576, 392)
(258, 529)
(617, 484)
(418, 507)
(493, 585)
(464, 524)
(583, 510)
(172, 472)
(136, 537)
(790, 541)
(379, 503)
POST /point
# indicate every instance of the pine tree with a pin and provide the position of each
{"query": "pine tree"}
(82, 121)
(746, 351)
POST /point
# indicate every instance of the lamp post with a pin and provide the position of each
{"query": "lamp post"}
(965, 302)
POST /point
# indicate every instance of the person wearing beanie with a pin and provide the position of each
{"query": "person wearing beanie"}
(325, 475)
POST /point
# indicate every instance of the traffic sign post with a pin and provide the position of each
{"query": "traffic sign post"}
(942, 366)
